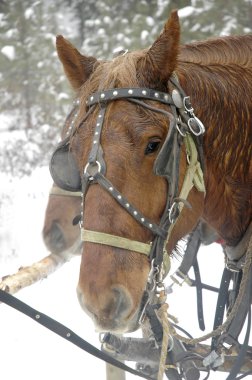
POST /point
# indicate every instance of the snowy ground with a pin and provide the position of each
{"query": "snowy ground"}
(28, 350)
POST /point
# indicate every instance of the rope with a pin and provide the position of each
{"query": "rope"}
(163, 316)
(221, 328)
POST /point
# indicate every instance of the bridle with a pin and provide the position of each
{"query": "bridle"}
(184, 126)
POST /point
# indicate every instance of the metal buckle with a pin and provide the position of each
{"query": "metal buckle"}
(185, 99)
(232, 267)
(180, 275)
(213, 360)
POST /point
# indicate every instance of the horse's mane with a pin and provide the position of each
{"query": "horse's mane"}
(234, 50)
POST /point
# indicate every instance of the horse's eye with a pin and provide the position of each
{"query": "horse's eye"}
(152, 147)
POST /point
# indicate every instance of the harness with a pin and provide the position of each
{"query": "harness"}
(185, 128)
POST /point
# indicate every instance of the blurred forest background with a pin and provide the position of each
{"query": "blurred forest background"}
(34, 94)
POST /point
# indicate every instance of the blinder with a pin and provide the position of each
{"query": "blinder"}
(167, 161)
(64, 169)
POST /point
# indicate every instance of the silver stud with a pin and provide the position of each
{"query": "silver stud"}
(130, 92)
(102, 96)
(156, 95)
(150, 225)
(96, 133)
(135, 212)
(95, 142)
(127, 205)
(68, 335)
(98, 124)
(142, 219)
(119, 196)
(92, 98)
(166, 97)
(115, 93)
(37, 316)
(111, 188)
(77, 102)
(144, 92)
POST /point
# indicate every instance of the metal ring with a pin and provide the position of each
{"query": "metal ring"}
(179, 130)
(97, 163)
(199, 124)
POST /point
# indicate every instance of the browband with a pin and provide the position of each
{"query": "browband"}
(124, 93)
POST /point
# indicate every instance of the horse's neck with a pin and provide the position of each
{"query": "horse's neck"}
(221, 101)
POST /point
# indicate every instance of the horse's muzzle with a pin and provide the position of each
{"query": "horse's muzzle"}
(113, 312)
(54, 238)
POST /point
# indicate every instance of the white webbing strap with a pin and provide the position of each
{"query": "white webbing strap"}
(115, 241)
(55, 190)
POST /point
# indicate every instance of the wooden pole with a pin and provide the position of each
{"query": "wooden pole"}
(114, 373)
(29, 275)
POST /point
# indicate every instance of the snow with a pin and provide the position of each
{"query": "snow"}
(29, 12)
(9, 52)
(144, 35)
(28, 350)
(186, 11)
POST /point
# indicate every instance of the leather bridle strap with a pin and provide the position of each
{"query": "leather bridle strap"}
(129, 93)
(65, 332)
(136, 214)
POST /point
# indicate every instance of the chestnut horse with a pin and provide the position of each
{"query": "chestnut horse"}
(60, 234)
(126, 148)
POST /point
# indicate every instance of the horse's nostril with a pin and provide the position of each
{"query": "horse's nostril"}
(54, 238)
(116, 306)
(121, 303)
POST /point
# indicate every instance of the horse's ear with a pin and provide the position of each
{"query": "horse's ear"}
(161, 58)
(77, 67)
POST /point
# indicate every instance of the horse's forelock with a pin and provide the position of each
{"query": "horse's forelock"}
(119, 72)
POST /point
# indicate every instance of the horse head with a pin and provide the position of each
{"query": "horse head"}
(120, 144)
(60, 232)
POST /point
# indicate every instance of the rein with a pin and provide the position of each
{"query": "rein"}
(65, 332)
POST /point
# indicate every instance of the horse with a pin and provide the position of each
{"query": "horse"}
(60, 232)
(145, 119)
